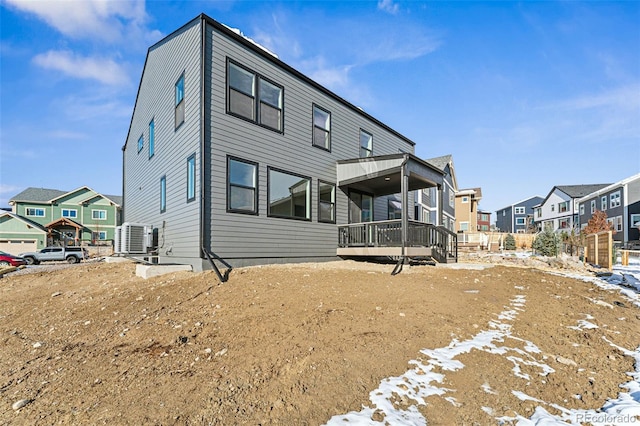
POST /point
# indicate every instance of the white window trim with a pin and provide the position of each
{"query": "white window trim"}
(69, 210)
(93, 216)
(34, 212)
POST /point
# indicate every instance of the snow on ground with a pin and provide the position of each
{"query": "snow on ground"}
(421, 381)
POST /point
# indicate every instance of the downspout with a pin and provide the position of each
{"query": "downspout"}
(203, 194)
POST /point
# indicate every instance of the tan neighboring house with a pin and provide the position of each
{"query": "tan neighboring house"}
(467, 209)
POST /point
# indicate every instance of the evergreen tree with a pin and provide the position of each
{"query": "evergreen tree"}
(546, 243)
(509, 242)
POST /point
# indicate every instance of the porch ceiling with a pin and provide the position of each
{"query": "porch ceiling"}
(382, 175)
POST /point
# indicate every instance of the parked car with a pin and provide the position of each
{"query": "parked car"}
(7, 259)
(71, 254)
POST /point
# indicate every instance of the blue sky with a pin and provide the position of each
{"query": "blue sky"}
(524, 95)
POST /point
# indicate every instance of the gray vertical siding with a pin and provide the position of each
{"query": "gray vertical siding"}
(179, 224)
(239, 236)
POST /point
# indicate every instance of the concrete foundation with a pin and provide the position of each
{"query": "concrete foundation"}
(148, 271)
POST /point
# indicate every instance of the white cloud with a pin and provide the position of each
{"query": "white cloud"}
(388, 6)
(625, 98)
(104, 20)
(103, 70)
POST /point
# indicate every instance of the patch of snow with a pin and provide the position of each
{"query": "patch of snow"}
(422, 381)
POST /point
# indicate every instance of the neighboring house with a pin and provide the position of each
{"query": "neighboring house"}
(559, 210)
(518, 217)
(81, 216)
(436, 205)
(484, 221)
(466, 204)
(621, 202)
(235, 154)
(19, 235)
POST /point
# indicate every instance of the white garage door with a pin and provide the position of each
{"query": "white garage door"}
(16, 247)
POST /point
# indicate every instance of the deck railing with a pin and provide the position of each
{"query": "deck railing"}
(388, 233)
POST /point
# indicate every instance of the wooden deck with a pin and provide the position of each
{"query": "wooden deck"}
(384, 239)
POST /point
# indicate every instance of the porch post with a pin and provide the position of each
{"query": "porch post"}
(440, 210)
(404, 188)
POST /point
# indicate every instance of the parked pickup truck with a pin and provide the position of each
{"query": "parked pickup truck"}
(69, 254)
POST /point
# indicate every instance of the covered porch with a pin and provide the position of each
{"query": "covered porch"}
(363, 180)
(64, 231)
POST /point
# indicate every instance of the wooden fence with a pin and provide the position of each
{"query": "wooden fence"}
(599, 249)
(626, 254)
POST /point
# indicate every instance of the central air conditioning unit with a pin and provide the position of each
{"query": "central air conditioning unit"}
(133, 238)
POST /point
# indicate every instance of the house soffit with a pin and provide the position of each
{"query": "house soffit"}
(381, 175)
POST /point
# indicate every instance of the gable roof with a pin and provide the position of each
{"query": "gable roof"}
(441, 163)
(44, 195)
(521, 202)
(576, 191)
(23, 219)
(37, 195)
(607, 188)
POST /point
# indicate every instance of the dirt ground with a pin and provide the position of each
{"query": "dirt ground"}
(293, 344)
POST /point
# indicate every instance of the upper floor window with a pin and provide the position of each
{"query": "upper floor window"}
(464, 226)
(321, 128)
(603, 203)
(520, 221)
(465, 199)
(191, 178)
(452, 199)
(152, 138)
(366, 144)
(538, 211)
(614, 199)
(35, 212)
(519, 210)
(289, 195)
(593, 206)
(635, 221)
(70, 213)
(140, 143)
(163, 194)
(563, 207)
(99, 214)
(179, 111)
(242, 186)
(581, 209)
(326, 202)
(254, 98)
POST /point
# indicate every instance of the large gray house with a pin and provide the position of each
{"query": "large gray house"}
(621, 203)
(234, 155)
